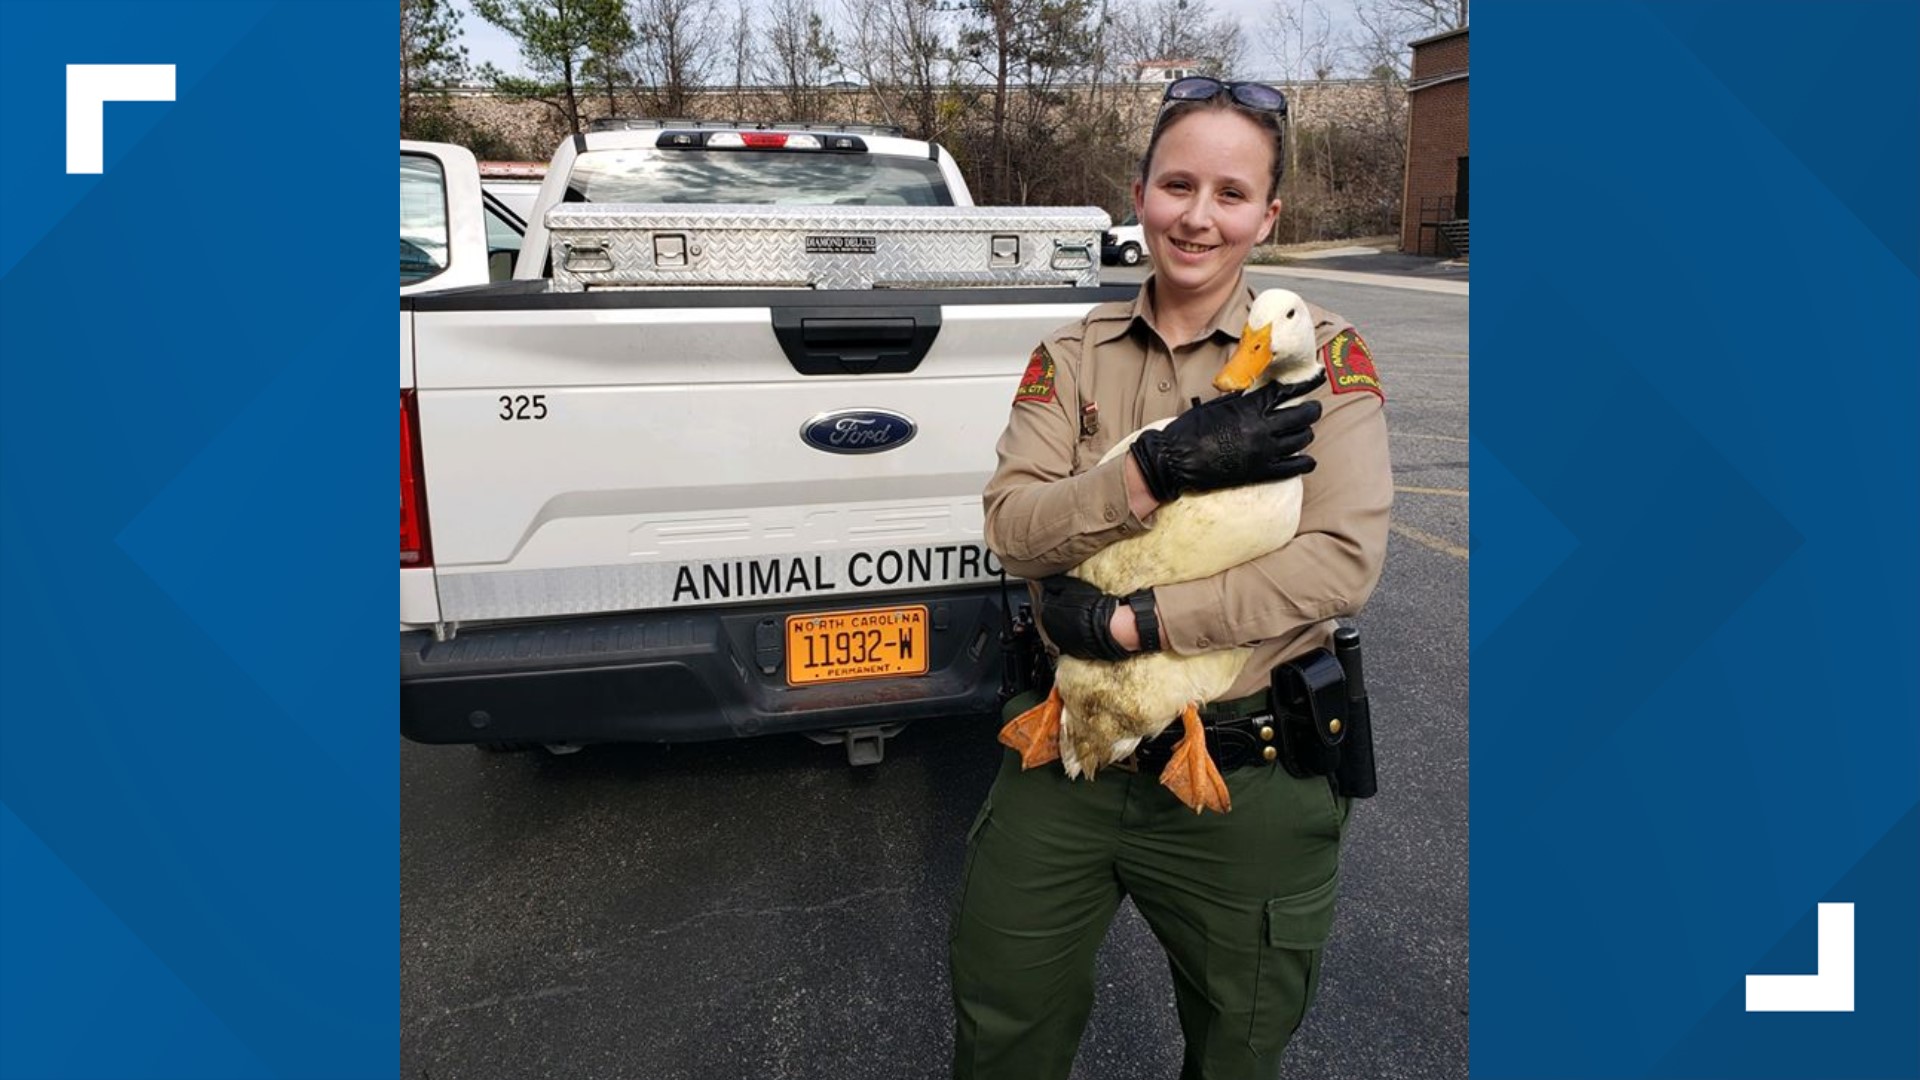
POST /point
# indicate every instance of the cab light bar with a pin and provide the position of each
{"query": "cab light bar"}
(748, 139)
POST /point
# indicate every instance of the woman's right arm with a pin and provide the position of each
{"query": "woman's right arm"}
(1041, 518)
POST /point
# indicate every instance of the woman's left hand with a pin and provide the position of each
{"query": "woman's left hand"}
(1082, 621)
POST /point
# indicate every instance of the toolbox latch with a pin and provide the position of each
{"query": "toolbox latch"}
(585, 256)
(670, 251)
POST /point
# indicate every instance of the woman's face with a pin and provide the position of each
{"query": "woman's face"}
(1205, 202)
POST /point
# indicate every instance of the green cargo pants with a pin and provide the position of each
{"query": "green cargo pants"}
(1242, 902)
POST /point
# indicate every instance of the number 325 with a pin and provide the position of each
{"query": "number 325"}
(523, 407)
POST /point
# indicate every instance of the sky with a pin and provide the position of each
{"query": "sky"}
(486, 43)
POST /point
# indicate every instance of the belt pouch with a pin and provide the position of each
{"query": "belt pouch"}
(1309, 693)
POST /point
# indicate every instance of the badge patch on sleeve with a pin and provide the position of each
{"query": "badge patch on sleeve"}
(1037, 384)
(1350, 365)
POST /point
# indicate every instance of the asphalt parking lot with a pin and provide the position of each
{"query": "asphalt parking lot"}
(760, 909)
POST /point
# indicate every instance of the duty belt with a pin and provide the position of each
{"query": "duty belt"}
(1240, 732)
(1312, 720)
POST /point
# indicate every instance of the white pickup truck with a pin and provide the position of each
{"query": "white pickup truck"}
(665, 513)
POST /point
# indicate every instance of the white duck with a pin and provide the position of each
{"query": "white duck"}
(1099, 711)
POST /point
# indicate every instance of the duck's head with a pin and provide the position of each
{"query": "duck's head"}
(1276, 346)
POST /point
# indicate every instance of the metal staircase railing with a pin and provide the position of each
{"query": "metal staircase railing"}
(1435, 210)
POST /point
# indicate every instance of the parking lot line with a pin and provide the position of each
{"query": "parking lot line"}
(1428, 540)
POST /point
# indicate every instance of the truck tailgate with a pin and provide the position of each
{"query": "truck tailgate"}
(613, 452)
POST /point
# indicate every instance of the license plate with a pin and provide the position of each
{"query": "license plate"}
(840, 646)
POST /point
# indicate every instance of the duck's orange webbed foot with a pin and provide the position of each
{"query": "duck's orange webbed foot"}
(1036, 732)
(1191, 775)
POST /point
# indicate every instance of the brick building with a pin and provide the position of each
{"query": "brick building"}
(1433, 209)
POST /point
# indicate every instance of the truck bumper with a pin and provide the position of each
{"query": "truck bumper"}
(683, 677)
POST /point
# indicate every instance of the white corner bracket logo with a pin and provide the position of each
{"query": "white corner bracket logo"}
(89, 88)
(1829, 988)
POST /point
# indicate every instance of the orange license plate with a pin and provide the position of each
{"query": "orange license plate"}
(840, 646)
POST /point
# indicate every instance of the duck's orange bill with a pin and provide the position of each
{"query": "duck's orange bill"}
(1248, 361)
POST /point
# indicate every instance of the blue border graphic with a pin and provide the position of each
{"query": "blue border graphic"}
(1695, 594)
(198, 792)
(1694, 581)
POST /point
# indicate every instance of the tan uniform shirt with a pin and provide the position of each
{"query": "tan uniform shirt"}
(1048, 506)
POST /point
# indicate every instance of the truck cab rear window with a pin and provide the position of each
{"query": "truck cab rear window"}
(423, 218)
(760, 177)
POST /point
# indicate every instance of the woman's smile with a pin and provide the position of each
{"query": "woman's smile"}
(1205, 202)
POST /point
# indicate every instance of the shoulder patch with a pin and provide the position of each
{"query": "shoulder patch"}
(1037, 384)
(1350, 366)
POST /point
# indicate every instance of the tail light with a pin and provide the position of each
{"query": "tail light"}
(413, 488)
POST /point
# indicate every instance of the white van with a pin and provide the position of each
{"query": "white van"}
(1125, 243)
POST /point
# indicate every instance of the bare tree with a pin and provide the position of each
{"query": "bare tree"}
(900, 48)
(1429, 16)
(1088, 157)
(741, 48)
(1378, 45)
(1301, 40)
(677, 48)
(1384, 27)
(1103, 67)
(1343, 175)
(801, 50)
(1186, 30)
(1096, 126)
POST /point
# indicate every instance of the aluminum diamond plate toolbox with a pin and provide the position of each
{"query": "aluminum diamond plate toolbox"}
(607, 245)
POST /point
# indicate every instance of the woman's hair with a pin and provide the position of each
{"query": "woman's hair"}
(1174, 111)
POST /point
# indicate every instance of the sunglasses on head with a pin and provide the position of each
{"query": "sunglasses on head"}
(1252, 95)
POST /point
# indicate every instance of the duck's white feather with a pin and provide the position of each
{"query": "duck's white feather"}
(1195, 536)
(1151, 685)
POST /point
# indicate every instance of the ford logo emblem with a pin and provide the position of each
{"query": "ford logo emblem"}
(857, 431)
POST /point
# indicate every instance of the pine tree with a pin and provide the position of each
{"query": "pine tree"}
(431, 60)
(561, 41)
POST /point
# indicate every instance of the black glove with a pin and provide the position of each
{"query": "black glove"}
(1245, 438)
(1078, 619)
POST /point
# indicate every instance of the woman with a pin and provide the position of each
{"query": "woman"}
(1243, 901)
